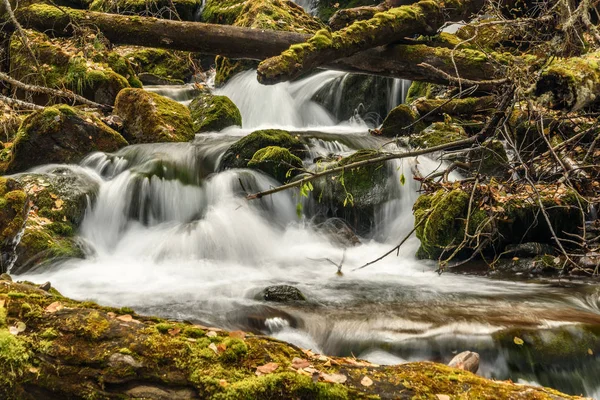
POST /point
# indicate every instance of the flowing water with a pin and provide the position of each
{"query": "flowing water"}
(169, 235)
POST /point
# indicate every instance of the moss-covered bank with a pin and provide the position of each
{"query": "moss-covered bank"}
(67, 349)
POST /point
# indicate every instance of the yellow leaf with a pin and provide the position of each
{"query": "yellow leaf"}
(590, 352)
(518, 341)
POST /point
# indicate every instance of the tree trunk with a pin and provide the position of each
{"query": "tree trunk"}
(398, 61)
(424, 17)
(58, 348)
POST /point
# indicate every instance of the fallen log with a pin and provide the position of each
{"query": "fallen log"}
(56, 348)
(346, 17)
(431, 108)
(398, 61)
(424, 17)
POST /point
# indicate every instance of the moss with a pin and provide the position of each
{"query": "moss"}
(326, 8)
(399, 122)
(40, 245)
(149, 117)
(419, 89)
(241, 152)
(13, 208)
(126, 310)
(169, 9)
(277, 162)
(49, 334)
(193, 332)
(212, 113)
(437, 134)
(226, 68)
(167, 64)
(235, 349)
(490, 159)
(91, 326)
(14, 358)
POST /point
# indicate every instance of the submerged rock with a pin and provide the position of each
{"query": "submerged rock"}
(13, 211)
(61, 134)
(153, 358)
(241, 152)
(277, 162)
(150, 118)
(212, 113)
(282, 294)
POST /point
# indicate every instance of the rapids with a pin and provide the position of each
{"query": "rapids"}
(169, 235)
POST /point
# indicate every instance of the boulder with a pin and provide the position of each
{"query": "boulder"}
(437, 134)
(184, 10)
(399, 122)
(282, 294)
(241, 152)
(94, 72)
(355, 194)
(59, 199)
(277, 162)
(467, 360)
(13, 211)
(149, 117)
(61, 134)
(212, 113)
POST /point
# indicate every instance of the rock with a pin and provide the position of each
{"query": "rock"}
(241, 152)
(417, 90)
(277, 162)
(339, 232)
(514, 213)
(226, 68)
(59, 200)
(149, 117)
(282, 294)
(529, 249)
(591, 260)
(159, 66)
(467, 360)
(437, 134)
(94, 71)
(13, 211)
(45, 286)
(184, 10)
(61, 134)
(399, 122)
(355, 195)
(212, 113)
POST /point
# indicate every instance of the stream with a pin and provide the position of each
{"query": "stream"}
(169, 235)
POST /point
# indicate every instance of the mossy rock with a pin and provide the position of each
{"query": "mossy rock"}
(167, 64)
(149, 117)
(326, 8)
(148, 357)
(212, 113)
(277, 162)
(184, 10)
(61, 134)
(355, 194)
(226, 68)
(490, 159)
(399, 122)
(13, 211)
(91, 71)
(437, 134)
(503, 214)
(241, 152)
(418, 89)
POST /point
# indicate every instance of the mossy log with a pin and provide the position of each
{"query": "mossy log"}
(52, 347)
(424, 17)
(571, 84)
(399, 61)
(348, 16)
(432, 109)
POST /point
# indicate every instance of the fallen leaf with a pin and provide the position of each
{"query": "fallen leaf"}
(54, 307)
(59, 203)
(366, 381)
(518, 341)
(223, 383)
(333, 378)
(221, 347)
(268, 368)
(211, 334)
(590, 352)
(174, 331)
(442, 396)
(125, 318)
(237, 334)
(213, 347)
(111, 314)
(298, 363)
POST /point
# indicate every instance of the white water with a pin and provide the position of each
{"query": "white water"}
(184, 243)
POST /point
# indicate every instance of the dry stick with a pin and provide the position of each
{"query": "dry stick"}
(52, 92)
(20, 104)
(386, 157)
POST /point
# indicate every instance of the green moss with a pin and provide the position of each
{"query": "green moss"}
(212, 113)
(163, 63)
(234, 351)
(437, 134)
(419, 89)
(168, 9)
(49, 334)
(399, 122)
(14, 358)
(193, 332)
(241, 152)
(163, 327)
(277, 162)
(91, 326)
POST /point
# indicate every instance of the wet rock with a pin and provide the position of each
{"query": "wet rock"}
(339, 232)
(5, 277)
(184, 10)
(262, 318)
(354, 195)
(118, 359)
(529, 249)
(45, 286)
(13, 211)
(150, 118)
(61, 134)
(467, 360)
(241, 152)
(399, 122)
(437, 134)
(423, 89)
(212, 113)
(93, 71)
(591, 260)
(282, 294)
(277, 162)
(151, 79)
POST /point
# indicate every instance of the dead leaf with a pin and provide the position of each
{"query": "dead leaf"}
(590, 352)
(34, 370)
(221, 347)
(442, 396)
(54, 307)
(334, 378)
(211, 334)
(237, 334)
(59, 203)
(213, 347)
(268, 368)
(174, 331)
(223, 383)
(299, 363)
(366, 381)
(125, 318)
(111, 314)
